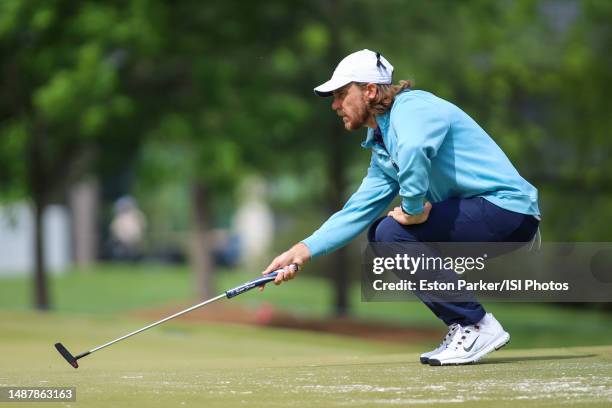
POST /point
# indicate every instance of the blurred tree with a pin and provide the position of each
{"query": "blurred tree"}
(205, 81)
(237, 106)
(535, 74)
(311, 137)
(223, 89)
(60, 102)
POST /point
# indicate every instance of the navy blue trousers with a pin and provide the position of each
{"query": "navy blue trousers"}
(458, 220)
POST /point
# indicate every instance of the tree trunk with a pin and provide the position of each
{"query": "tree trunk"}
(201, 242)
(84, 207)
(336, 168)
(335, 201)
(38, 190)
(41, 292)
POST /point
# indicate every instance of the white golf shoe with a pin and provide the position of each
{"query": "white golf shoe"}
(471, 343)
(452, 329)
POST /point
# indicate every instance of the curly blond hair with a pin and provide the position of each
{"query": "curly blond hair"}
(385, 95)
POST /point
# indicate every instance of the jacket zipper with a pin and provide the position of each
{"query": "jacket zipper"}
(382, 144)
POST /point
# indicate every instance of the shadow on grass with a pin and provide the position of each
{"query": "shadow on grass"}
(503, 360)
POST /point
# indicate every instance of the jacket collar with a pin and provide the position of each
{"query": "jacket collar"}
(383, 124)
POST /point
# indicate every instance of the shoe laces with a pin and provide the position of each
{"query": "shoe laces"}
(449, 336)
(466, 331)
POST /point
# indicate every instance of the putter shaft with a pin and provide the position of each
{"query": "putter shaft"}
(72, 360)
(182, 312)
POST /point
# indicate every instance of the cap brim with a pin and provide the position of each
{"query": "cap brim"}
(328, 88)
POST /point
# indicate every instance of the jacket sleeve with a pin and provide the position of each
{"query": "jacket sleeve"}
(374, 195)
(420, 128)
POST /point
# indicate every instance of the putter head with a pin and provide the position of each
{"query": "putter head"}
(66, 354)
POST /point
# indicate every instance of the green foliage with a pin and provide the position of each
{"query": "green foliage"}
(535, 74)
(228, 85)
(215, 92)
(12, 145)
(61, 90)
(214, 71)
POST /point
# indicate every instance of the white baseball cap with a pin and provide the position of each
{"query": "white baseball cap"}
(361, 66)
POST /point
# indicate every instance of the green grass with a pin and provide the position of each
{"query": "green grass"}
(212, 365)
(106, 288)
(109, 289)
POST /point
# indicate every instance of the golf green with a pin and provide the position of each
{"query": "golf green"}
(210, 365)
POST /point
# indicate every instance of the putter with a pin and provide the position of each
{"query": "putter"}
(72, 360)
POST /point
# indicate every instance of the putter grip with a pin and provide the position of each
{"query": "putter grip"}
(252, 284)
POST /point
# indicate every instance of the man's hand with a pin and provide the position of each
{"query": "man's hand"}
(406, 219)
(299, 254)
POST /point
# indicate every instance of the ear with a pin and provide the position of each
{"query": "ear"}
(370, 91)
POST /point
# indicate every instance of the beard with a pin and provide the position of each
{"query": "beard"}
(356, 119)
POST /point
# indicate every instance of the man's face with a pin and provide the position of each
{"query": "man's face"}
(349, 103)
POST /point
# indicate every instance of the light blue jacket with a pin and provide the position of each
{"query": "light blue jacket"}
(434, 151)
